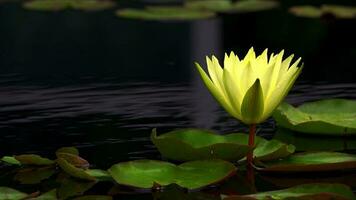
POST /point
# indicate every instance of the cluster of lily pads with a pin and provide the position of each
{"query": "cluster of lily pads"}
(191, 9)
(206, 158)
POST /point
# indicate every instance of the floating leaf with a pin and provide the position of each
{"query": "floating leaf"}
(345, 12)
(198, 144)
(70, 150)
(191, 175)
(304, 142)
(228, 6)
(46, 5)
(94, 197)
(33, 175)
(338, 11)
(174, 192)
(74, 171)
(164, 13)
(58, 5)
(10, 160)
(71, 188)
(100, 175)
(307, 191)
(32, 159)
(92, 5)
(327, 117)
(313, 162)
(50, 195)
(11, 194)
(306, 11)
(74, 160)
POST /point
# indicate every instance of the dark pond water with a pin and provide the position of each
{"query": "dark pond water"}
(101, 83)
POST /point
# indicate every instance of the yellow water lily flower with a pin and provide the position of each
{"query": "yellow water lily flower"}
(251, 88)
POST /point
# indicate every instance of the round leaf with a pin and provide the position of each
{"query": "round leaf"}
(313, 162)
(32, 159)
(74, 171)
(326, 117)
(11, 194)
(191, 175)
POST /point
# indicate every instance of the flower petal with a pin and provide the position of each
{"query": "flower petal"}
(253, 104)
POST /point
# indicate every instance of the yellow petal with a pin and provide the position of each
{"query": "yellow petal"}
(253, 104)
(217, 94)
(233, 92)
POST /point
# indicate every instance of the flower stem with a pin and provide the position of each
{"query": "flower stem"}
(251, 143)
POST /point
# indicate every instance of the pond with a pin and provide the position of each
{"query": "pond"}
(101, 83)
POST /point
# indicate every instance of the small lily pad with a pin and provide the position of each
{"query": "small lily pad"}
(10, 160)
(58, 5)
(52, 194)
(230, 7)
(11, 194)
(325, 117)
(311, 162)
(33, 175)
(70, 150)
(74, 160)
(72, 187)
(198, 144)
(32, 159)
(192, 175)
(164, 13)
(306, 191)
(74, 171)
(338, 11)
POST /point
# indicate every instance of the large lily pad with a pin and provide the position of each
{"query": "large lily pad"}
(11, 194)
(191, 175)
(307, 191)
(164, 13)
(312, 162)
(229, 6)
(303, 142)
(327, 117)
(58, 5)
(52, 194)
(72, 187)
(195, 144)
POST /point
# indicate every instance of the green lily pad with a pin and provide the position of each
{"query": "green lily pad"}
(306, 11)
(58, 5)
(303, 142)
(70, 150)
(306, 191)
(11, 194)
(33, 175)
(10, 160)
(195, 144)
(74, 160)
(52, 194)
(32, 159)
(326, 117)
(164, 13)
(74, 171)
(191, 175)
(338, 11)
(312, 162)
(71, 188)
(229, 6)
(98, 174)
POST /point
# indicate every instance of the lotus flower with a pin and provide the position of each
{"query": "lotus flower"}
(250, 89)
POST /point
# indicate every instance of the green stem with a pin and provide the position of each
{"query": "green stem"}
(251, 143)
